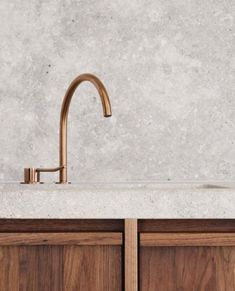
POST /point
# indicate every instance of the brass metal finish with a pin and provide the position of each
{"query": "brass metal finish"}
(32, 175)
(64, 115)
(39, 170)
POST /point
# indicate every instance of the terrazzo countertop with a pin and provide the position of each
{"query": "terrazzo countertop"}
(118, 200)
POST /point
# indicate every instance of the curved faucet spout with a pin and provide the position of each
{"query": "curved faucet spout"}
(64, 115)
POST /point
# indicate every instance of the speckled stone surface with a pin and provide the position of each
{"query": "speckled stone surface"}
(169, 67)
(120, 200)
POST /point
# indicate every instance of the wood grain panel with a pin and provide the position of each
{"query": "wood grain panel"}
(61, 262)
(81, 238)
(195, 268)
(41, 268)
(61, 225)
(187, 268)
(187, 239)
(9, 269)
(186, 225)
(113, 225)
(89, 268)
(30, 268)
(225, 268)
(156, 269)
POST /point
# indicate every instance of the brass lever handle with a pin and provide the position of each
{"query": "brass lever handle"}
(32, 175)
(49, 169)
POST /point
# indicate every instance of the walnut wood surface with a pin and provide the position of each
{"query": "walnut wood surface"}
(187, 239)
(39, 268)
(60, 268)
(70, 254)
(186, 225)
(92, 268)
(9, 269)
(187, 269)
(187, 255)
(131, 255)
(61, 225)
(144, 225)
(80, 238)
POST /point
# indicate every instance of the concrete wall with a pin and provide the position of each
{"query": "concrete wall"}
(169, 67)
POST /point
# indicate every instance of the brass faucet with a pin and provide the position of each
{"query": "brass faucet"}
(32, 175)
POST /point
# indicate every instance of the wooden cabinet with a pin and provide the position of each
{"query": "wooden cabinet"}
(61, 261)
(180, 266)
(187, 259)
(115, 255)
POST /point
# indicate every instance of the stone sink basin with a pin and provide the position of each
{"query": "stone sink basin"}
(136, 199)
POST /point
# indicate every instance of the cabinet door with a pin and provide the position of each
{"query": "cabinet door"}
(187, 262)
(60, 261)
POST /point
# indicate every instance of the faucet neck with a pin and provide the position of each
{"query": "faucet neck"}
(64, 116)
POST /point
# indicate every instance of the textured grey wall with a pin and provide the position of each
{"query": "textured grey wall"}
(169, 67)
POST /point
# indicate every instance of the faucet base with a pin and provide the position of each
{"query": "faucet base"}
(63, 183)
(31, 176)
